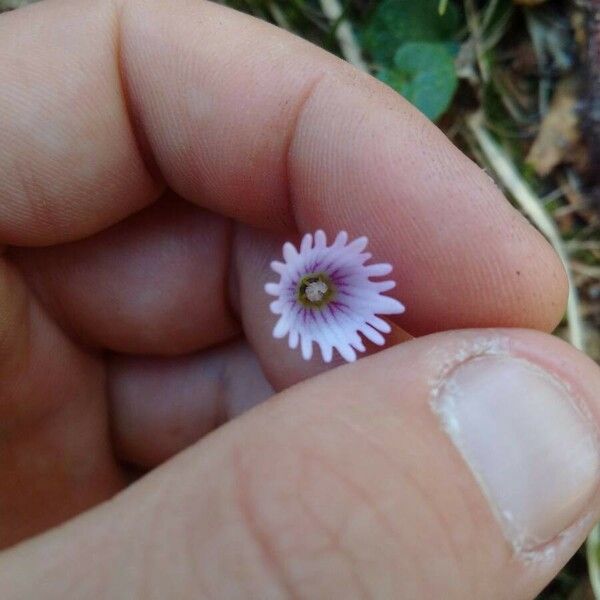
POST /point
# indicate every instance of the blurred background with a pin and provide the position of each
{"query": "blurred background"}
(516, 85)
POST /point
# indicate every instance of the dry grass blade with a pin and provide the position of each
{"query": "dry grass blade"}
(592, 550)
(349, 47)
(532, 206)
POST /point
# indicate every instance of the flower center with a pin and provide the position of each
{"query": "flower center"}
(315, 290)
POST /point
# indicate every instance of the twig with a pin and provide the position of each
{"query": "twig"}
(532, 206)
(349, 47)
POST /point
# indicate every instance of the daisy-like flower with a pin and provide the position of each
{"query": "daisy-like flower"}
(325, 295)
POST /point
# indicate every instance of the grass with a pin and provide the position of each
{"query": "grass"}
(520, 110)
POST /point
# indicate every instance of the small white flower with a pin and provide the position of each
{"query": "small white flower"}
(325, 295)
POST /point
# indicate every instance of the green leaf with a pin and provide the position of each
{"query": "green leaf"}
(395, 22)
(424, 74)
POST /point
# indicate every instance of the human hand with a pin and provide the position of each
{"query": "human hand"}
(154, 157)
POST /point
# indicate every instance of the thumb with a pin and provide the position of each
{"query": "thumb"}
(460, 465)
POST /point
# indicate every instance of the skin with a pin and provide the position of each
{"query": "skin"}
(155, 155)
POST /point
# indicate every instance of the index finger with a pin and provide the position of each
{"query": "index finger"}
(110, 99)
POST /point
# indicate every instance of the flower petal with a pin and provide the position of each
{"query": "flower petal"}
(341, 239)
(294, 339)
(276, 307)
(273, 289)
(306, 244)
(290, 253)
(307, 347)
(380, 324)
(359, 244)
(372, 335)
(348, 353)
(282, 327)
(320, 239)
(326, 351)
(378, 270)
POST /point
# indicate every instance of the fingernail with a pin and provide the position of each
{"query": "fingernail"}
(528, 442)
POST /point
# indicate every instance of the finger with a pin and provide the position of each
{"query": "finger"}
(482, 443)
(55, 454)
(70, 163)
(155, 283)
(273, 132)
(159, 406)
(349, 154)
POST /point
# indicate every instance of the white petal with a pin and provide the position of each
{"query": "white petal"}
(323, 330)
(384, 286)
(343, 328)
(273, 289)
(341, 239)
(359, 244)
(326, 351)
(293, 314)
(278, 267)
(347, 352)
(349, 324)
(379, 270)
(374, 304)
(380, 324)
(320, 239)
(290, 253)
(306, 244)
(388, 306)
(307, 347)
(372, 335)
(332, 326)
(359, 346)
(294, 339)
(276, 307)
(282, 327)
